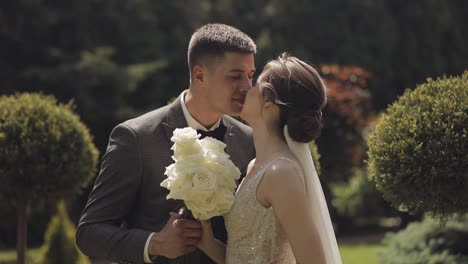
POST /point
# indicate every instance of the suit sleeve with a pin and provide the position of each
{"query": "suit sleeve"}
(100, 230)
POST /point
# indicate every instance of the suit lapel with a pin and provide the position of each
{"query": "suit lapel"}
(229, 136)
(174, 119)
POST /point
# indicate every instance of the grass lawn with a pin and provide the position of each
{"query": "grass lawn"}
(350, 254)
(359, 254)
(9, 256)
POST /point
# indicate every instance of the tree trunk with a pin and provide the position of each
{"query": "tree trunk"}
(22, 227)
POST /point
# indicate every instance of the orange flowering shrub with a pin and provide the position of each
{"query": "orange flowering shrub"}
(347, 117)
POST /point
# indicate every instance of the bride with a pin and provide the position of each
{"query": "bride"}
(280, 214)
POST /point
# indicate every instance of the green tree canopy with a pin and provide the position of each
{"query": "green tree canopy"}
(418, 153)
(45, 153)
(45, 150)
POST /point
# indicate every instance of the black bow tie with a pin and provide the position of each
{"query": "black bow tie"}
(217, 133)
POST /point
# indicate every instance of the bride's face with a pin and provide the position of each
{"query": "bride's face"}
(253, 103)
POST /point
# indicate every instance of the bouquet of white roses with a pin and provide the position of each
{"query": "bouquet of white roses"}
(202, 176)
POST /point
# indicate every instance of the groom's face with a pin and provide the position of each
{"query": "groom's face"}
(228, 80)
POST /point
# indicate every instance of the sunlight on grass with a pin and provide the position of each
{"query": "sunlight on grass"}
(9, 256)
(359, 254)
(350, 254)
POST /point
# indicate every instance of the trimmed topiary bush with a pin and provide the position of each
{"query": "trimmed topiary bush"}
(59, 243)
(418, 152)
(427, 242)
(46, 152)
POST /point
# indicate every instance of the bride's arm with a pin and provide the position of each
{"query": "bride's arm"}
(284, 189)
(214, 248)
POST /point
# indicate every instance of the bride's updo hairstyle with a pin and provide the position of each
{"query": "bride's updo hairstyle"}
(298, 90)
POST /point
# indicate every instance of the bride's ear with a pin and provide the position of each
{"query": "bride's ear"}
(268, 95)
(270, 106)
(267, 103)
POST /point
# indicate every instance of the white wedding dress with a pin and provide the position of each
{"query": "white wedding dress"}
(255, 234)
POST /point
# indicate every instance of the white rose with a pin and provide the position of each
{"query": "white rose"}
(226, 178)
(217, 204)
(212, 145)
(224, 201)
(180, 170)
(214, 166)
(220, 164)
(202, 176)
(202, 210)
(232, 172)
(217, 161)
(204, 180)
(179, 180)
(186, 144)
(204, 185)
(192, 152)
(178, 190)
(184, 136)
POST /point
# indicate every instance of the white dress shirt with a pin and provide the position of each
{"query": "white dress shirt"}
(191, 122)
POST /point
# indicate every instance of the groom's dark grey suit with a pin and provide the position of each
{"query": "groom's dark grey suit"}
(127, 202)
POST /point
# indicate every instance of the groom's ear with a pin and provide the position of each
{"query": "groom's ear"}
(199, 73)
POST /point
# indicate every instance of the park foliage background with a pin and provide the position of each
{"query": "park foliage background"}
(118, 59)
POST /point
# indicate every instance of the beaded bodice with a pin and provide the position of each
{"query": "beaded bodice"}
(254, 233)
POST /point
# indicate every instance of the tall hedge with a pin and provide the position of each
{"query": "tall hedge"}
(418, 153)
(46, 152)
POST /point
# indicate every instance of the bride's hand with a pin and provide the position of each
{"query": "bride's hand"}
(212, 247)
(207, 236)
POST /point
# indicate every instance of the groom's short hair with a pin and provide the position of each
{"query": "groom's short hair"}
(213, 40)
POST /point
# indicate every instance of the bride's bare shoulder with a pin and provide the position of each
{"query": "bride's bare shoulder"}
(282, 180)
(285, 171)
(249, 167)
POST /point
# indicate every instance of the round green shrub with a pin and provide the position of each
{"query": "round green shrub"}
(59, 243)
(45, 150)
(427, 242)
(418, 152)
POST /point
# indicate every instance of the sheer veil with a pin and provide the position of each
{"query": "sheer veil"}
(316, 199)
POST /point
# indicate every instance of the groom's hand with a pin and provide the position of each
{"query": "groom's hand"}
(178, 237)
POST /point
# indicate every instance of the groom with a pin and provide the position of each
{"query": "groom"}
(127, 218)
